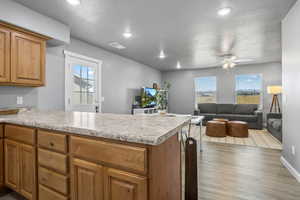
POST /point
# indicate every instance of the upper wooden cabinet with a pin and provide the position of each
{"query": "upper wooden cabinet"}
(4, 54)
(22, 57)
(27, 59)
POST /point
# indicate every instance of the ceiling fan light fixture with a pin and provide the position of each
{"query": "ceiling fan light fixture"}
(224, 11)
(232, 65)
(233, 57)
(74, 2)
(127, 34)
(225, 65)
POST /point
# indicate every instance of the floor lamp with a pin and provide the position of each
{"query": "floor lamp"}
(275, 90)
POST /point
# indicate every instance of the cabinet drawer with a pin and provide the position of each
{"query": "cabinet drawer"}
(52, 160)
(129, 157)
(52, 141)
(1, 131)
(47, 194)
(19, 133)
(53, 180)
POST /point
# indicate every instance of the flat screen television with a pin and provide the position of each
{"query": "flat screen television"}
(148, 97)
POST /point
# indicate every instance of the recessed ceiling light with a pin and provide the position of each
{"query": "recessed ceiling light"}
(224, 11)
(127, 34)
(117, 45)
(178, 66)
(74, 2)
(162, 55)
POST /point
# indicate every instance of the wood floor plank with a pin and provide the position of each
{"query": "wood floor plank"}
(239, 172)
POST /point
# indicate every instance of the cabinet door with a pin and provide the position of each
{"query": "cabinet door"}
(86, 180)
(28, 171)
(12, 169)
(27, 59)
(122, 185)
(1, 163)
(4, 55)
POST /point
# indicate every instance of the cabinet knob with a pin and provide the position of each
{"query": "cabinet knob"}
(51, 144)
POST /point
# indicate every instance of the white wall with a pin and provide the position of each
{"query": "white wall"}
(19, 15)
(182, 92)
(122, 79)
(291, 85)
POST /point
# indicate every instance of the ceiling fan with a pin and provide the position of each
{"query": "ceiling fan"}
(224, 52)
(230, 60)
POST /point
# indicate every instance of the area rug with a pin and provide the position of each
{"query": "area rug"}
(258, 138)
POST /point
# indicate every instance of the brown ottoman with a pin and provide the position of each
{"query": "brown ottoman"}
(216, 129)
(223, 120)
(238, 129)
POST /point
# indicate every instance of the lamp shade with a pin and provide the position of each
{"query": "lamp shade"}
(275, 89)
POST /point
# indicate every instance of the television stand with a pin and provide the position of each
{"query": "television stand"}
(139, 111)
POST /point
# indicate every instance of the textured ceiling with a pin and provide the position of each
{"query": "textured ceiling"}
(188, 31)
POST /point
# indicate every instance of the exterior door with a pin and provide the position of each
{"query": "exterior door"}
(83, 84)
(12, 167)
(27, 59)
(86, 180)
(122, 185)
(4, 55)
(27, 171)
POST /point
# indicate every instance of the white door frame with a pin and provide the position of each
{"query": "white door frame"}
(69, 57)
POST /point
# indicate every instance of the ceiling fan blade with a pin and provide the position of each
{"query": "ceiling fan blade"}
(243, 60)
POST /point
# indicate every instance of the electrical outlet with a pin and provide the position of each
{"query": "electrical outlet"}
(19, 100)
(293, 150)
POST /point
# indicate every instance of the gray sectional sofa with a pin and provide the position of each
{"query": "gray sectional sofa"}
(234, 112)
(274, 125)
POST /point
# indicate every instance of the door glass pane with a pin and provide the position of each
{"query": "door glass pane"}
(83, 86)
(76, 98)
(90, 98)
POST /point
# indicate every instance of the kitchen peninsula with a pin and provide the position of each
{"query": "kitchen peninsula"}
(78, 155)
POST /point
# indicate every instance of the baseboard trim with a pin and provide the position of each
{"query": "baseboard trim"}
(291, 169)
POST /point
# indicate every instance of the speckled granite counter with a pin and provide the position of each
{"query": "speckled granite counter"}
(152, 130)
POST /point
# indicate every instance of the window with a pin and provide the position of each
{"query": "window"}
(205, 89)
(248, 89)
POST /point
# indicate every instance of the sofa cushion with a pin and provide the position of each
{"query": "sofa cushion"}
(247, 109)
(208, 116)
(236, 117)
(207, 107)
(225, 108)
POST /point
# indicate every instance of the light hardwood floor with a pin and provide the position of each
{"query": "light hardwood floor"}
(236, 172)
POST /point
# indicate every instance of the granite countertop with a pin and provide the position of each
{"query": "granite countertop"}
(144, 129)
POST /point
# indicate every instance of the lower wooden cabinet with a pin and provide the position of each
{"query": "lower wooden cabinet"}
(47, 194)
(20, 168)
(95, 182)
(86, 180)
(1, 163)
(74, 168)
(123, 185)
(27, 171)
(12, 165)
